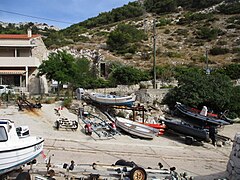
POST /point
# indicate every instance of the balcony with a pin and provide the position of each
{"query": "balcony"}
(19, 62)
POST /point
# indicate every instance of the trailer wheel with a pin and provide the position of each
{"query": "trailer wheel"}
(75, 124)
(138, 173)
(57, 125)
(88, 130)
(122, 162)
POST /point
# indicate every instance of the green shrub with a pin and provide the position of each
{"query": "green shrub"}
(230, 8)
(67, 102)
(218, 51)
(183, 32)
(208, 33)
(102, 33)
(80, 39)
(236, 50)
(49, 100)
(231, 26)
(167, 31)
(124, 39)
(163, 22)
(222, 42)
(172, 54)
(234, 20)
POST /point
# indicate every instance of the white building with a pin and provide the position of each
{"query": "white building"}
(20, 56)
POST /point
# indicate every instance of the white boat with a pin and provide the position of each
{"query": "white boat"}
(136, 128)
(109, 99)
(17, 147)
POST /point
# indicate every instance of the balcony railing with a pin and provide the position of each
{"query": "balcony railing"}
(19, 62)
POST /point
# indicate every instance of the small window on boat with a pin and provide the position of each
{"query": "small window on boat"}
(3, 134)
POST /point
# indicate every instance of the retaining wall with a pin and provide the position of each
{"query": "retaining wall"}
(233, 167)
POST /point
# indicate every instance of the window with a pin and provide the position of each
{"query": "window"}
(3, 134)
(18, 53)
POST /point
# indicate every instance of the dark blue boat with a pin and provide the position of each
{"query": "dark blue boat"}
(199, 119)
(186, 129)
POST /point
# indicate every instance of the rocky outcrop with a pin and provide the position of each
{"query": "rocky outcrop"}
(233, 167)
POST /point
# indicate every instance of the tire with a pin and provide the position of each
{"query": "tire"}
(122, 162)
(138, 173)
(57, 125)
(75, 124)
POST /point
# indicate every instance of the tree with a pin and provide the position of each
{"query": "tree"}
(124, 38)
(128, 75)
(59, 66)
(164, 73)
(159, 7)
(234, 104)
(197, 89)
(231, 70)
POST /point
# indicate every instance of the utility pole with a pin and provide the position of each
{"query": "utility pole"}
(154, 54)
(207, 68)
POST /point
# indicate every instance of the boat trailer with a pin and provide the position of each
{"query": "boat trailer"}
(63, 122)
(97, 125)
(120, 170)
(24, 103)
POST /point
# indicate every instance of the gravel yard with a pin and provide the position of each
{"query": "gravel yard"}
(200, 161)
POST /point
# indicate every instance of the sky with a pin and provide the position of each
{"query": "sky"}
(67, 11)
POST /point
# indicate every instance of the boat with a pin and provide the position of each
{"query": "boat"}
(17, 147)
(109, 99)
(157, 125)
(187, 129)
(201, 119)
(160, 127)
(135, 128)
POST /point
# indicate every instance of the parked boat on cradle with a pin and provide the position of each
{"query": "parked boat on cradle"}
(199, 118)
(109, 99)
(136, 128)
(157, 125)
(17, 147)
(184, 128)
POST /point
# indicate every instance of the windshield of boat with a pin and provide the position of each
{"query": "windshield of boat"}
(3, 134)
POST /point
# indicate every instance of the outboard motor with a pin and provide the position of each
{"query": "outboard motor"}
(22, 131)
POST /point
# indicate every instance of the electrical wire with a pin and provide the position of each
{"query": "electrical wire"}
(36, 17)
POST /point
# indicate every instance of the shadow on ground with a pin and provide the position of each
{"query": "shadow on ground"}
(169, 134)
(218, 176)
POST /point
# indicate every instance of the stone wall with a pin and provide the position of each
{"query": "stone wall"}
(142, 95)
(36, 85)
(151, 95)
(120, 90)
(233, 167)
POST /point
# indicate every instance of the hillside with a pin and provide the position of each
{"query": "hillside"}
(185, 31)
(182, 36)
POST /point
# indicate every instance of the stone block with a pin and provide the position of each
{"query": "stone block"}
(229, 167)
(236, 162)
(237, 147)
(237, 170)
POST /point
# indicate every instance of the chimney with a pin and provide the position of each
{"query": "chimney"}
(29, 32)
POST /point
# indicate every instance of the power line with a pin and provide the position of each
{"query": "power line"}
(36, 17)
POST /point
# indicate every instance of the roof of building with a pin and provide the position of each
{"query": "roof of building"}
(18, 36)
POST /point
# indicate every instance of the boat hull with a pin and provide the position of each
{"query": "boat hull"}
(136, 128)
(27, 150)
(112, 99)
(188, 130)
(198, 119)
